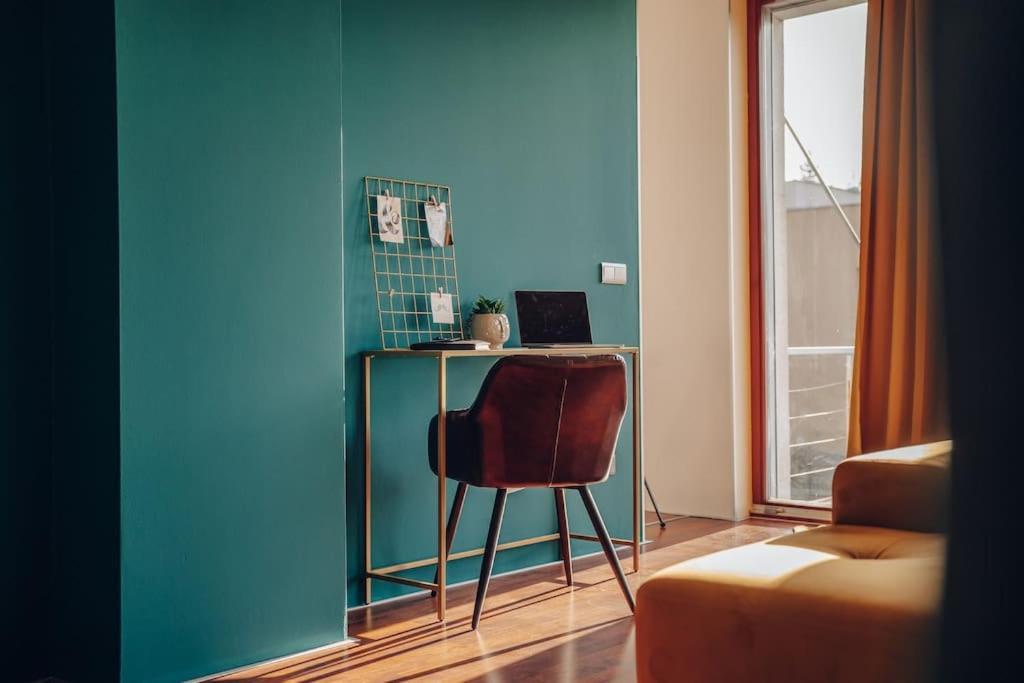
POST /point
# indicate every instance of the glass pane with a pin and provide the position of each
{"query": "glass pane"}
(815, 246)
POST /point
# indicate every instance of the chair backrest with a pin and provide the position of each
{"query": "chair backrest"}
(550, 420)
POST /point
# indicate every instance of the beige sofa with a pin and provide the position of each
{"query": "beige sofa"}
(854, 601)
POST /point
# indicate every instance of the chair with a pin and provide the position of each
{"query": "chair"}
(538, 422)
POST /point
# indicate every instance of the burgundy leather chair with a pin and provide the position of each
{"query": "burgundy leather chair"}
(538, 422)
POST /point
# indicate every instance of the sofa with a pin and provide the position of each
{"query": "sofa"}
(857, 600)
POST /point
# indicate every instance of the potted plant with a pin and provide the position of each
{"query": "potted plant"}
(490, 324)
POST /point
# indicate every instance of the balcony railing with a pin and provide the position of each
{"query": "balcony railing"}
(818, 421)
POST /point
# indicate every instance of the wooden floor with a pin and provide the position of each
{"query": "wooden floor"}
(534, 628)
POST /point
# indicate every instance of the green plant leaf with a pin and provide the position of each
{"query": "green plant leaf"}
(483, 305)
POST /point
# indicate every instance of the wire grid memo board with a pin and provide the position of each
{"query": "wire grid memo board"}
(406, 274)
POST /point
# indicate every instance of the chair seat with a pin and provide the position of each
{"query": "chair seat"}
(840, 603)
(467, 461)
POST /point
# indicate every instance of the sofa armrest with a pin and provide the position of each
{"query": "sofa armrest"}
(904, 488)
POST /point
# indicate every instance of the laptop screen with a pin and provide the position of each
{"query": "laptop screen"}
(553, 318)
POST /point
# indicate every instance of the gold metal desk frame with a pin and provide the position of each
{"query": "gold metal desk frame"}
(388, 573)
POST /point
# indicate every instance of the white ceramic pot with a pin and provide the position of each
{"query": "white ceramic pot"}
(491, 328)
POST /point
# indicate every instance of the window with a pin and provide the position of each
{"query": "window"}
(811, 84)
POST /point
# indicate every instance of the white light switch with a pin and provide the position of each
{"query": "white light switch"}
(613, 273)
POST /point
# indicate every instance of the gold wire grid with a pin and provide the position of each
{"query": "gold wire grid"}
(406, 274)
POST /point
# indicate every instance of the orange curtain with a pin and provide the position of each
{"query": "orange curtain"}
(899, 377)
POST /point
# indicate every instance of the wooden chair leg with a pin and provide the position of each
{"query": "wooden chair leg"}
(563, 534)
(453, 520)
(489, 551)
(606, 544)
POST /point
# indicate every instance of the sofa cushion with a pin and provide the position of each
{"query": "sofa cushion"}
(841, 603)
(902, 488)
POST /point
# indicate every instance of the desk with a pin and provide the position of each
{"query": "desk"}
(389, 573)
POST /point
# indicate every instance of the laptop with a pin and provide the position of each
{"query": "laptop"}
(550, 320)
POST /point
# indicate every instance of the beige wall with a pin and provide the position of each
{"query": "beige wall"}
(693, 255)
(740, 263)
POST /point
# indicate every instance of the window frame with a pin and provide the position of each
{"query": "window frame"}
(765, 137)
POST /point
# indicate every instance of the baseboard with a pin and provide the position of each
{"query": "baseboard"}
(275, 660)
(792, 513)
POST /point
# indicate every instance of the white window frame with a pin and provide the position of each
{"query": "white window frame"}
(773, 227)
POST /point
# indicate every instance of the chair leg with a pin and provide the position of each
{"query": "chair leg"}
(563, 534)
(489, 551)
(606, 544)
(453, 521)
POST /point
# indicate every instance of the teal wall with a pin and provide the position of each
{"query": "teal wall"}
(184, 269)
(527, 108)
(232, 464)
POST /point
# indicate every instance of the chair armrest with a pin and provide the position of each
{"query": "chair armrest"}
(904, 488)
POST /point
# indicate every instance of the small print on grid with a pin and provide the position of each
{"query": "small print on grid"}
(389, 219)
(441, 308)
(437, 223)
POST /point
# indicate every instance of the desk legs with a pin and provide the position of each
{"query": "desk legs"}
(442, 480)
(442, 460)
(637, 473)
(367, 444)
(442, 464)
